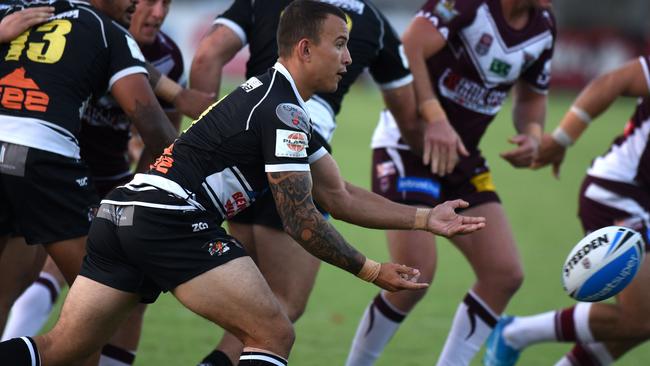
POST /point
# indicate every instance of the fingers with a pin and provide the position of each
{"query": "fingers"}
(556, 170)
(470, 220)
(435, 159)
(426, 156)
(462, 149)
(458, 204)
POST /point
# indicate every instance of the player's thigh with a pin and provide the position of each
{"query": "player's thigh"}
(90, 314)
(68, 256)
(235, 296)
(288, 268)
(491, 251)
(415, 249)
(19, 267)
(241, 228)
(634, 300)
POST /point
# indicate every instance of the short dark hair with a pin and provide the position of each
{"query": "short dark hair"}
(303, 19)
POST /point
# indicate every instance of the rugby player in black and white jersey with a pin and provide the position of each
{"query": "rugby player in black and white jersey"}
(465, 56)
(373, 45)
(104, 136)
(615, 191)
(47, 193)
(161, 232)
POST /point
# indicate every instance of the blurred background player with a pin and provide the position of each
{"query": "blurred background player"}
(614, 192)
(288, 268)
(465, 56)
(56, 129)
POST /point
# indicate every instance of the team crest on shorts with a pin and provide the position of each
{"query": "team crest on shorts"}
(217, 248)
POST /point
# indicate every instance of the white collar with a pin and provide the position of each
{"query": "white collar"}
(283, 70)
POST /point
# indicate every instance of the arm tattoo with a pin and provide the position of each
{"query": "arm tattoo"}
(292, 193)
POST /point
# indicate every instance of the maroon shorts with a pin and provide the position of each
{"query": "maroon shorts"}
(400, 176)
(605, 202)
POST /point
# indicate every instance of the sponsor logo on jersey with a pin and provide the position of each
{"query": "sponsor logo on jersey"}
(500, 67)
(483, 45)
(293, 116)
(217, 248)
(235, 204)
(21, 93)
(291, 144)
(446, 10)
(165, 161)
(251, 84)
(74, 14)
(419, 185)
(385, 168)
(470, 94)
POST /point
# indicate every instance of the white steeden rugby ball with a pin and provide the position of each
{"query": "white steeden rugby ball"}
(603, 263)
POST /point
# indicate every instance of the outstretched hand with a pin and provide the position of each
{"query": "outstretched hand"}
(16, 23)
(443, 220)
(395, 277)
(550, 152)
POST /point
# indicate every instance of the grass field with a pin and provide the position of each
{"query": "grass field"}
(542, 213)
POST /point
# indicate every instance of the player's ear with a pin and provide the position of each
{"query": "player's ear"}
(304, 49)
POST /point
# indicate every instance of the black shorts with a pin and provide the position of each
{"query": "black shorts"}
(604, 203)
(400, 176)
(46, 197)
(147, 250)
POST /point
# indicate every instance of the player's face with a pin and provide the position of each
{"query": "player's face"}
(147, 19)
(118, 10)
(331, 55)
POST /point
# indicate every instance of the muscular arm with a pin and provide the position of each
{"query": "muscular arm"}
(16, 23)
(215, 50)
(135, 97)
(303, 222)
(401, 104)
(361, 207)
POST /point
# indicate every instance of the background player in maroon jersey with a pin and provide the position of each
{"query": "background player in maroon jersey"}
(465, 56)
(614, 192)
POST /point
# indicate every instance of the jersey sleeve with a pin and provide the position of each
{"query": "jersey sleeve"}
(538, 75)
(239, 18)
(288, 143)
(390, 67)
(449, 16)
(645, 64)
(125, 55)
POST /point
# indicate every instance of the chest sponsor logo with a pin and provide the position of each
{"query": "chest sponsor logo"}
(293, 116)
(419, 185)
(291, 144)
(470, 94)
(483, 44)
(500, 67)
(19, 92)
(251, 84)
(446, 10)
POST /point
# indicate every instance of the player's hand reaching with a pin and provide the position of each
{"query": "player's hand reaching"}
(395, 277)
(442, 147)
(524, 154)
(550, 152)
(192, 102)
(16, 23)
(443, 219)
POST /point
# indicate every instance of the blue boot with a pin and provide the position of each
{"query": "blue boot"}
(498, 352)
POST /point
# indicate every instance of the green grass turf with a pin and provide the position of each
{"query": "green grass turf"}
(542, 213)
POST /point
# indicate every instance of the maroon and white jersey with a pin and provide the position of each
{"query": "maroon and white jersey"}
(481, 61)
(628, 159)
(105, 129)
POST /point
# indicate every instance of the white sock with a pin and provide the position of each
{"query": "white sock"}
(472, 325)
(526, 330)
(32, 309)
(581, 322)
(379, 323)
(564, 361)
(116, 356)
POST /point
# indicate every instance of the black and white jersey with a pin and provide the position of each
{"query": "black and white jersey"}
(220, 162)
(373, 43)
(50, 72)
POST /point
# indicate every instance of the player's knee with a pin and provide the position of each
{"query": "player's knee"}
(507, 280)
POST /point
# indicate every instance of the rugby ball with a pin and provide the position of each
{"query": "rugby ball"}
(603, 263)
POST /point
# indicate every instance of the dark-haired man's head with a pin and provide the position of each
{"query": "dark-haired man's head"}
(314, 36)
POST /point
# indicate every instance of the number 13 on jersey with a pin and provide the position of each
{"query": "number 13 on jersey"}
(50, 50)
